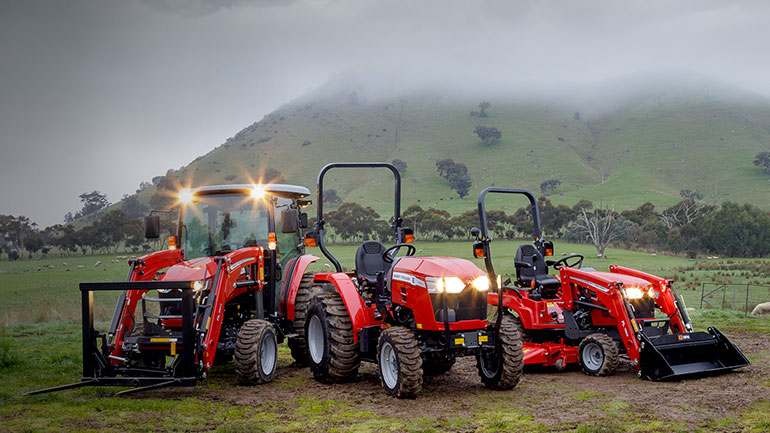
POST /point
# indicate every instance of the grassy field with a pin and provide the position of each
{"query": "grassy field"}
(40, 347)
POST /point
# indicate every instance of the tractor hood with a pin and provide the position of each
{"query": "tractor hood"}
(626, 280)
(438, 267)
(195, 269)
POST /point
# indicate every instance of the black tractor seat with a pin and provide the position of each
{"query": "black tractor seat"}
(531, 268)
(369, 263)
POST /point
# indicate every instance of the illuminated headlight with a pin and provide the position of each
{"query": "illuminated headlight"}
(185, 195)
(481, 283)
(198, 286)
(634, 292)
(257, 193)
(448, 284)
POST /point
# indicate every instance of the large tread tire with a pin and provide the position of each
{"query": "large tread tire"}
(604, 353)
(406, 379)
(502, 368)
(255, 339)
(298, 345)
(525, 337)
(435, 364)
(335, 357)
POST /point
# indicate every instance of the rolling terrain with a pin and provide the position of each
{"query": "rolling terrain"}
(640, 148)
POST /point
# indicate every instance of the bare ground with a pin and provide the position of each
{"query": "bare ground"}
(559, 400)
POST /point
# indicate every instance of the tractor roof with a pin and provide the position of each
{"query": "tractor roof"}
(271, 188)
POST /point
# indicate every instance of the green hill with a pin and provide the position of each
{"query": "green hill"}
(642, 148)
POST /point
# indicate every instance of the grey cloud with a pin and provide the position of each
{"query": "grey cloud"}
(199, 8)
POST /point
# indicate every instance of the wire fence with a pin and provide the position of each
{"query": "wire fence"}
(739, 297)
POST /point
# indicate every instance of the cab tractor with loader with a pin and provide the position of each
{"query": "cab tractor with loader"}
(410, 315)
(230, 286)
(580, 315)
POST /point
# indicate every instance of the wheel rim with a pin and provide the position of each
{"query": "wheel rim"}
(593, 356)
(389, 365)
(315, 339)
(268, 355)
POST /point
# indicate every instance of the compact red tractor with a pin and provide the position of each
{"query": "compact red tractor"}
(593, 318)
(230, 286)
(410, 315)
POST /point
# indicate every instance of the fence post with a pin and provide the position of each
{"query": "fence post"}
(702, 292)
(746, 308)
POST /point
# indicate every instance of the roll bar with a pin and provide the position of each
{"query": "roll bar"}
(319, 225)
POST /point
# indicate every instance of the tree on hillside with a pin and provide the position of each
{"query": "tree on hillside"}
(132, 207)
(331, 197)
(92, 202)
(400, 165)
(763, 160)
(738, 231)
(695, 195)
(488, 134)
(599, 227)
(547, 187)
(483, 108)
(456, 174)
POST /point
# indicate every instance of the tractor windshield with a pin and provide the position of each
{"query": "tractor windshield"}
(221, 223)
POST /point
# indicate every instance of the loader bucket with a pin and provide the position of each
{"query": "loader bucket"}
(673, 356)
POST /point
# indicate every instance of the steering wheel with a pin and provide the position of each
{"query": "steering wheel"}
(564, 261)
(386, 255)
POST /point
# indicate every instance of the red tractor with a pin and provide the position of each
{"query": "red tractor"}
(230, 286)
(592, 318)
(409, 315)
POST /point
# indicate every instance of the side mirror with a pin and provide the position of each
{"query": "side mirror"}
(548, 246)
(152, 227)
(478, 249)
(303, 220)
(289, 221)
(475, 232)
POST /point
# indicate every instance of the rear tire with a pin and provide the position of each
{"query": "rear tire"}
(256, 352)
(332, 353)
(298, 344)
(502, 367)
(598, 355)
(399, 363)
(437, 363)
(525, 337)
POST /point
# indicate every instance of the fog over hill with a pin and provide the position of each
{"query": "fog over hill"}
(107, 94)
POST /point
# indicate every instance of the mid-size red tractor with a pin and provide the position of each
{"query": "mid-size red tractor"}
(584, 316)
(230, 286)
(410, 315)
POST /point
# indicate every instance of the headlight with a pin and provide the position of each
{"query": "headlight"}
(448, 284)
(197, 286)
(481, 283)
(185, 195)
(634, 292)
(454, 285)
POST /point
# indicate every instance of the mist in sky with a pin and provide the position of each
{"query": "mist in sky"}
(102, 95)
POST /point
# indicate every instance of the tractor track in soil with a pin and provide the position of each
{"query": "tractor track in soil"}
(552, 398)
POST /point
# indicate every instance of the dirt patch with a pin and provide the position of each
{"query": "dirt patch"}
(550, 397)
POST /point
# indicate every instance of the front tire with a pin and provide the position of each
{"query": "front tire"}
(298, 344)
(502, 367)
(256, 352)
(399, 363)
(598, 355)
(332, 353)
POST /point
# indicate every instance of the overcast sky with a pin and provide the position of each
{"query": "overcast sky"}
(101, 95)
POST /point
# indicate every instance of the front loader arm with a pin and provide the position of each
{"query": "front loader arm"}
(665, 297)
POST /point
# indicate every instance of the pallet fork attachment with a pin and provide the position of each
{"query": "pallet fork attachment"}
(99, 369)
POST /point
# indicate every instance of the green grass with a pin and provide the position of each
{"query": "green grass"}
(39, 348)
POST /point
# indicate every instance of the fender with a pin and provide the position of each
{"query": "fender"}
(292, 283)
(360, 316)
